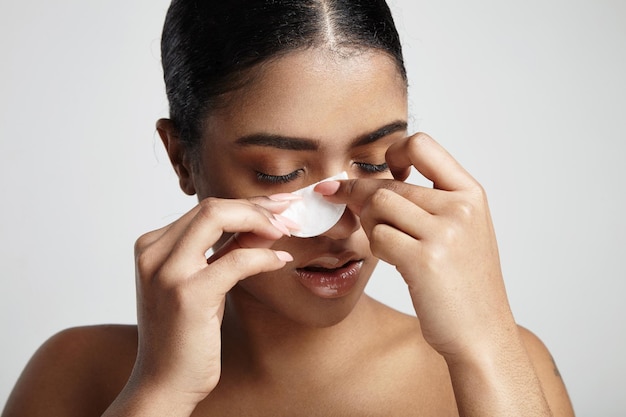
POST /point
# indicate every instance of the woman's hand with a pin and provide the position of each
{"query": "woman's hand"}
(441, 240)
(181, 294)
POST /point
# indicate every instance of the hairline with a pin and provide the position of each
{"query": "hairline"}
(250, 75)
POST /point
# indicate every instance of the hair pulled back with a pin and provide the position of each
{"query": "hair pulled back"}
(208, 47)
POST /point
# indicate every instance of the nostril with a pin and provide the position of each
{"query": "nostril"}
(345, 227)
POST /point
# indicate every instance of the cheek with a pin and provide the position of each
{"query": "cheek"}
(212, 180)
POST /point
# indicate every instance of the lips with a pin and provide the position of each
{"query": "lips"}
(325, 279)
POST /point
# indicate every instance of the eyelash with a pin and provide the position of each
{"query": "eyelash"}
(278, 179)
(372, 168)
(283, 179)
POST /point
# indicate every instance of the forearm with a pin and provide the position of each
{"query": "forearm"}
(498, 381)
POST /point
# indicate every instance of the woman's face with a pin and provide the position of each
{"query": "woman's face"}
(305, 117)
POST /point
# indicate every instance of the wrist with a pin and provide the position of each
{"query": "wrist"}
(496, 342)
(496, 377)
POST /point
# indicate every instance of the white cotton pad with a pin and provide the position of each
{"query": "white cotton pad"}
(312, 213)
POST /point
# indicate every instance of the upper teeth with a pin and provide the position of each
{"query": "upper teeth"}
(325, 261)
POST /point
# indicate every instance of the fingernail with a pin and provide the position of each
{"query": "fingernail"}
(287, 222)
(280, 227)
(327, 187)
(284, 197)
(283, 256)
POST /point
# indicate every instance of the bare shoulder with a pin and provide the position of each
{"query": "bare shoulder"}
(394, 332)
(548, 374)
(410, 375)
(78, 371)
(410, 360)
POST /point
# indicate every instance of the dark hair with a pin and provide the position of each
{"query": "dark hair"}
(209, 46)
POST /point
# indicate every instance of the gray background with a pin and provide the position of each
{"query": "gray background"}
(529, 96)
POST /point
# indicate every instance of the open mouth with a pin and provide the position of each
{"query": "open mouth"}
(328, 281)
(315, 268)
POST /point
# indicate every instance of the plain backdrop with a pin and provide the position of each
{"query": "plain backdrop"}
(529, 96)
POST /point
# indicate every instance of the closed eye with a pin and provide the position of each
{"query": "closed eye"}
(372, 168)
(278, 179)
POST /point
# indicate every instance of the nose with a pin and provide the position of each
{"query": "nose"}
(346, 226)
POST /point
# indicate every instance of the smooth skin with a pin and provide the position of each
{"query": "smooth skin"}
(238, 335)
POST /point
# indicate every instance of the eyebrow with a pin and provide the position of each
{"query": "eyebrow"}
(306, 144)
(397, 126)
(278, 141)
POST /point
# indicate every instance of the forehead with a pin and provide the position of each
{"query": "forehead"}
(315, 93)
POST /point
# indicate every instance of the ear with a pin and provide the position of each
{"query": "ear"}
(176, 152)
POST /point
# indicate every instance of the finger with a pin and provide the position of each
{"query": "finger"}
(357, 192)
(148, 239)
(223, 274)
(153, 247)
(431, 160)
(275, 204)
(175, 230)
(390, 208)
(241, 241)
(218, 216)
(396, 248)
(250, 240)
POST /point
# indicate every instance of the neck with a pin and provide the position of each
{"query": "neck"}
(266, 342)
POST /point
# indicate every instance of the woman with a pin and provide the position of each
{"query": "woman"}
(267, 97)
